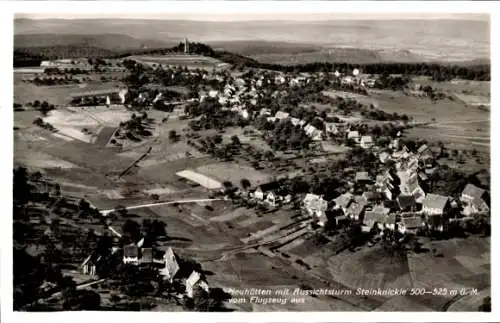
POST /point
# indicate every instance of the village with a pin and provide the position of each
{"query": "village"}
(306, 153)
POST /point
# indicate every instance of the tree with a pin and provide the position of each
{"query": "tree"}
(132, 229)
(245, 183)
(235, 140)
(83, 205)
(38, 121)
(172, 135)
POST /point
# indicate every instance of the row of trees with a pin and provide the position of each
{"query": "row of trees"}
(440, 72)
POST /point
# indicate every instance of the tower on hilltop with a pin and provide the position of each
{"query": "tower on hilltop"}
(186, 46)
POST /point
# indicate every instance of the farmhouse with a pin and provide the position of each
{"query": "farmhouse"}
(315, 205)
(262, 192)
(377, 216)
(422, 149)
(435, 223)
(194, 280)
(331, 127)
(366, 142)
(171, 265)
(313, 132)
(115, 95)
(410, 224)
(472, 192)
(89, 265)
(434, 204)
(354, 135)
(363, 177)
(343, 201)
(406, 203)
(131, 254)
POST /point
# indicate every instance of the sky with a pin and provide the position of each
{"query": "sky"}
(252, 17)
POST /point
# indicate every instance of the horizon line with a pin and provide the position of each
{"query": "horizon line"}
(319, 17)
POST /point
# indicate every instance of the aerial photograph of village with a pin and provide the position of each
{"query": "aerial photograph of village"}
(250, 164)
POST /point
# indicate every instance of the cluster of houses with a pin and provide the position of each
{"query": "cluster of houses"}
(398, 199)
(136, 254)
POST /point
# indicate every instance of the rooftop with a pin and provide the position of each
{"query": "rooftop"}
(434, 201)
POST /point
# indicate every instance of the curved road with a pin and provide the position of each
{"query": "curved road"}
(140, 206)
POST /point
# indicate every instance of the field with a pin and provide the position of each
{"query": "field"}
(452, 122)
(58, 95)
(192, 61)
(465, 264)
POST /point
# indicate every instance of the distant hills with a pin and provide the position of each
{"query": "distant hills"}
(106, 42)
(436, 40)
(252, 43)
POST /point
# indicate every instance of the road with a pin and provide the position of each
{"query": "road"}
(140, 206)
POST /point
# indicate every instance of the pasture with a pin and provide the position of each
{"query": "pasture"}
(451, 121)
(58, 95)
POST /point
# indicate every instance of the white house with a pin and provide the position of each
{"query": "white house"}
(194, 281)
(366, 142)
(271, 199)
(171, 265)
(331, 127)
(354, 135)
(258, 194)
(315, 205)
(313, 133)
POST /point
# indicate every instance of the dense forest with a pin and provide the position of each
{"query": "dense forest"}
(439, 72)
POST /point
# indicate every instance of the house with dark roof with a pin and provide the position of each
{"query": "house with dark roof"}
(366, 142)
(406, 203)
(264, 189)
(435, 223)
(131, 254)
